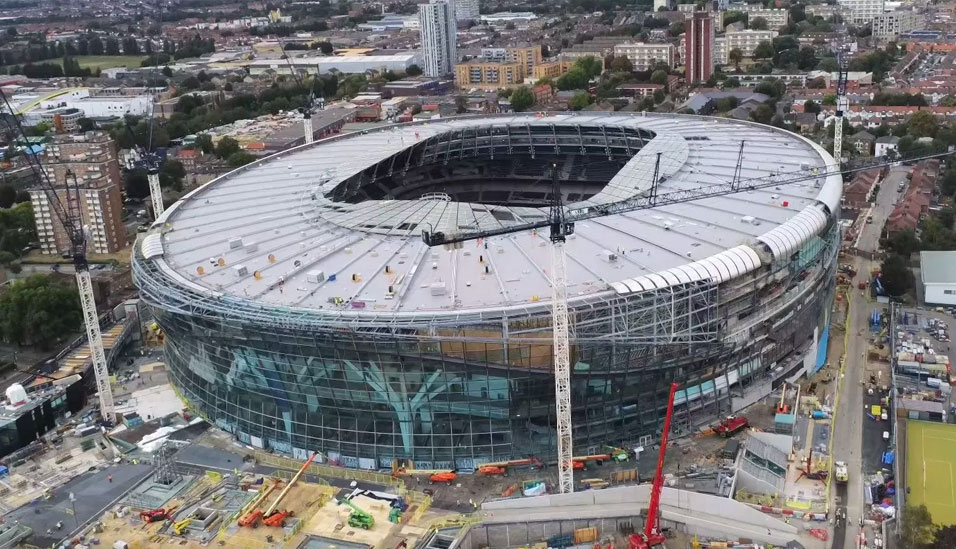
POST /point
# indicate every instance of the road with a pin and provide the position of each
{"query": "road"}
(849, 425)
(869, 239)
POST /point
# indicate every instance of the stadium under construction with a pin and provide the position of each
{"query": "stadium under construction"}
(302, 310)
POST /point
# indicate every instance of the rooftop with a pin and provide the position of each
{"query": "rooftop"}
(275, 232)
(938, 267)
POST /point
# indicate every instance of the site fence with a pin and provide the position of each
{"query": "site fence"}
(899, 442)
(329, 471)
(848, 297)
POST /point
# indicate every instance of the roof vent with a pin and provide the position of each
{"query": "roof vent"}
(235, 243)
(747, 219)
(315, 276)
(240, 271)
(608, 255)
(438, 288)
(252, 246)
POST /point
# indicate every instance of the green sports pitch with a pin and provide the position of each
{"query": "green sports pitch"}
(931, 468)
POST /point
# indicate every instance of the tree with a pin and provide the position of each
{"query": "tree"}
(574, 79)
(136, 184)
(167, 72)
(8, 195)
(903, 243)
(659, 77)
(85, 124)
(730, 83)
(762, 114)
(226, 147)
(758, 23)
(735, 56)
(817, 83)
(580, 100)
(948, 101)
(522, 98)
(171, 174)
(622, 64)
(590, 65)
(204, 143)
(945, 538)
(39, 311)
(918, 529)
(413, 70)
(677, 28)
(461, 104)
(239, 158)
(811, 106)
(764, 50)
(828, 64)
(897, 279)
(326, 48)
(922, 124)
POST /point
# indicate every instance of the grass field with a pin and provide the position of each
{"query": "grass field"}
(109, 61)
(930, 468)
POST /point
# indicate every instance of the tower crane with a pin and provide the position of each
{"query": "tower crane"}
(71, 219)
(146, 156)
(842, 104)
(150, 160)
(561, 222)
(306, 109)
(652, 536)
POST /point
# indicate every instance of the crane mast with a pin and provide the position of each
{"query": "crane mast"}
(560, 229)
(71, 219)
(652, 535)
(842, 104)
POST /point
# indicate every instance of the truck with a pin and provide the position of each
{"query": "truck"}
(731, 425)
(842, 476)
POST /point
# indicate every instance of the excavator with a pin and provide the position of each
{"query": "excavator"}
(359, 518)
(652, 536)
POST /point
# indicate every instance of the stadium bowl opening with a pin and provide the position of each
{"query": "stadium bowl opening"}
(301, 310)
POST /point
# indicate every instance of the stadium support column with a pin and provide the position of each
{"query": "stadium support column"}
(307, 126)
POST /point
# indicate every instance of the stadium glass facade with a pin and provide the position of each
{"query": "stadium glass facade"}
(453, 392)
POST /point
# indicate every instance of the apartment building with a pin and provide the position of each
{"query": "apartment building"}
(488, 75)
(890, 25)
(644, 56)
(551, 69)
(527, 56)
(744, 40)
(775, 17)
(439, 37)
(466, 10)
(860, 11)
(699, 47)
(90, 163)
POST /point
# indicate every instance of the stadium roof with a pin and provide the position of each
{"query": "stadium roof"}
(268, 232)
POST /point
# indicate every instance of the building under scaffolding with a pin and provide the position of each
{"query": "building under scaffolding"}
(302, 311)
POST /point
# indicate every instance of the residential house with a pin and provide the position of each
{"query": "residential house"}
(863, 142)
(886, 144)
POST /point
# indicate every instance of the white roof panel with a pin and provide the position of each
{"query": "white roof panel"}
(286, 205)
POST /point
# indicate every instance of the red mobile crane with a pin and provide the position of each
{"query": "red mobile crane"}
(652, 536)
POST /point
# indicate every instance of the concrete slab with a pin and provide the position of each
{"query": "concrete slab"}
(94, 493)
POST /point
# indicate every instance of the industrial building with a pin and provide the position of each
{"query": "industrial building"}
(938, 274)
(344, 64)
(302, 311)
